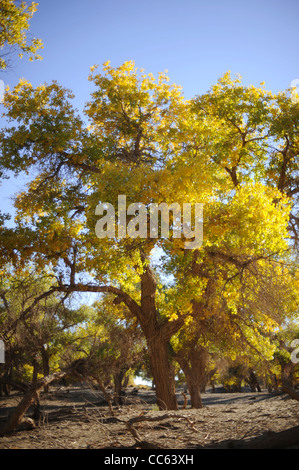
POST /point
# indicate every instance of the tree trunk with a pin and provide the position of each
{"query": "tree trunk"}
(46, 364)
(162, 374)
(35, 372)
(157, 333)
(194, 366)
(118, 378)
(253, 381)
(195, 395)
(273, 383)
(193, 385)
(126, 381)
(287, 375)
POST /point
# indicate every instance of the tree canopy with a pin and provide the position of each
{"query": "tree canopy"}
(233, 149)
(14, 27)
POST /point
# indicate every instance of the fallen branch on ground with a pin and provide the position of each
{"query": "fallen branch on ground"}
(143, 444)
(31, 397)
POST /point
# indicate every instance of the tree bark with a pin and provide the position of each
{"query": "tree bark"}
(253, 381)
(157, 333)
(292, 393)
(162, 373)
(194, 366)
(46, 364)
(118, 378)
(35, 372)
(287, 375)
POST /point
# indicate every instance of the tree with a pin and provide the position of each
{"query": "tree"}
(110, 345)
(14, 26)
(130, 146)
(147, 142)
(35, 324)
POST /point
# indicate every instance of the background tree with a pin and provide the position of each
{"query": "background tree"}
(110, 344)
(14, 27)
(34, 325)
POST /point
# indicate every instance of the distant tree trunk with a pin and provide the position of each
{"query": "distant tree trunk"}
(46, 364)
(253, 382)
(193, 383)
(287, 368)
(208, 378)
(273, 383)
(193, 387)
(194, 366)
(118, 378)
(287, 375)
(4, 385)
(35, 372)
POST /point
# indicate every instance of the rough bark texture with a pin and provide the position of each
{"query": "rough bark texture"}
(163, 374)
(118, 378)
(157, 335)
(194, 366)
(46, 364)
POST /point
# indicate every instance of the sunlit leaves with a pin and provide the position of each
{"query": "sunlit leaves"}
(15, 19)
(234, 149)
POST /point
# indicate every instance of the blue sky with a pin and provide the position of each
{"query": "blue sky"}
(195, 40)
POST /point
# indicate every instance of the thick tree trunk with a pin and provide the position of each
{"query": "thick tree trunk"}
(195, 395)
(162, 374)
(157, 334)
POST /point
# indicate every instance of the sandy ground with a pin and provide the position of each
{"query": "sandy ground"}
(78, 418)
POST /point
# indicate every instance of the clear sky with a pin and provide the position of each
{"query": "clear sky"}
(195, 40)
